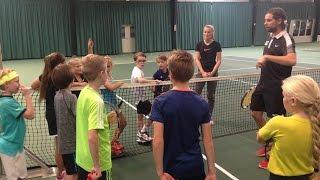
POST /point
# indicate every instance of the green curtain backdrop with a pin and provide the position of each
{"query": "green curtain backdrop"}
(232, 23)
(102, 21)
(34, 28)
(293, 10)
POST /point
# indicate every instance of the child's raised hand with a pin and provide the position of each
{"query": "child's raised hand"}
(24, 90)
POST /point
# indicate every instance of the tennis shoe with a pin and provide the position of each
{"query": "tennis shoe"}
(143, 137)
(261, 152)
(263, 164)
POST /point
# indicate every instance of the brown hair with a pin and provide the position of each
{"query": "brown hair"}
(278, 14)
(138, 54)
(50, 62)
(162, 57)
(92, 65)
(180, 65)
(62, 77)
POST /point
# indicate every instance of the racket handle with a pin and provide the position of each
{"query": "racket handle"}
(120, 104)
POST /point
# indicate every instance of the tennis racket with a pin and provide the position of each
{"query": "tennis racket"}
(246, 99)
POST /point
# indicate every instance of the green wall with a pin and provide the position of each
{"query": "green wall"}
(35, 28)
(232, 22)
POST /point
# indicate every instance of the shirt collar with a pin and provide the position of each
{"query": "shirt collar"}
(282, 33)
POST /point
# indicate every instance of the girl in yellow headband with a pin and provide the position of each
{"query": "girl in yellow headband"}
(12, 124)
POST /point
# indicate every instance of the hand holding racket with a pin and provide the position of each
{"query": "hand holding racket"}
(246, 99)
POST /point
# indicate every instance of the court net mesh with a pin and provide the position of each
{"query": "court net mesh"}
(228, 115)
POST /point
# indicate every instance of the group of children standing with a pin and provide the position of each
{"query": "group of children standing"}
(81, 128)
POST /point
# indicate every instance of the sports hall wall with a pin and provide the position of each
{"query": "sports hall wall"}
(34, 28)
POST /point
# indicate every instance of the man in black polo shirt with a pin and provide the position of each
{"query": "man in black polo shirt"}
(276, 64)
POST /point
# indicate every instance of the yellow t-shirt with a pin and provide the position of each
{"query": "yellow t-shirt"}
(91, 115)
(291, 153)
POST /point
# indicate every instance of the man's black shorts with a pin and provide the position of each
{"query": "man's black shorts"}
(69, 162)
(268, 101)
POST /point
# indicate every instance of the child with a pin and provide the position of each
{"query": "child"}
(65, 108)
(12, 124)
(177, 115)
(110, 96)
(295, 149)
(79, 80)
(47, 91)
(143, 105)
(92, 137)
(162, 74)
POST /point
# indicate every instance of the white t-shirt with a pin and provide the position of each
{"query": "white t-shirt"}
(139, 93)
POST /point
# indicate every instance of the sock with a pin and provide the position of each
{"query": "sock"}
(144, 128)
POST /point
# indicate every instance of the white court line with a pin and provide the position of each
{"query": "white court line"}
(222, 170)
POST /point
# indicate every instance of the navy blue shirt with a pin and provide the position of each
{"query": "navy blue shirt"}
(163, 76)
(182, 113)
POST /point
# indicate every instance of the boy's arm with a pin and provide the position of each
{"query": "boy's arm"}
(158, 146)
(90, 46)
(144, 80)
(209, 149)
(29, 113)
(112, 86)
(78, 84)
(94, 150)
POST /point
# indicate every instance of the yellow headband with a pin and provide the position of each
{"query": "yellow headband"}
(8, 77)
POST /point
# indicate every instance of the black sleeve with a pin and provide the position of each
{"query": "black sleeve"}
(218, 47)
(198, 46)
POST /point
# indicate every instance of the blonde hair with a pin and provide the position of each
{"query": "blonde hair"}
(72, 61)
(307, 93)
(93, 65)
(212, 29)
(3, 73)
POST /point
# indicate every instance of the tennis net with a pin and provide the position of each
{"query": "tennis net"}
(229, 117)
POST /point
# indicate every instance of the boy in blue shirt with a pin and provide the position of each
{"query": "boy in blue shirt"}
(12, 124)
(177, 115)
(162, 74)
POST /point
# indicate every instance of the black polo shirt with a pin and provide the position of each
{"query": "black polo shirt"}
(208, 54)
(272, 73)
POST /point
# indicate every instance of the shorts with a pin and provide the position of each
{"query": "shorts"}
(109, 96)
(144, 107)
(277, 177)
(269, 102)
(14, 166)
(52, 122)
(69, 162)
